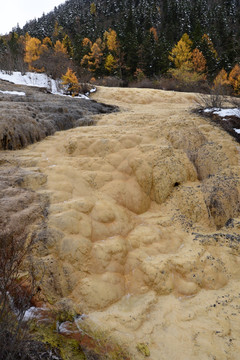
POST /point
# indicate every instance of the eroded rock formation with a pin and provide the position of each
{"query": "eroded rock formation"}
(143, 226)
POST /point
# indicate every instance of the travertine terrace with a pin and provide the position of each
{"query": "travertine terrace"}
(143, 232)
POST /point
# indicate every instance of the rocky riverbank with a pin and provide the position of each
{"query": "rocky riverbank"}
(29, 114)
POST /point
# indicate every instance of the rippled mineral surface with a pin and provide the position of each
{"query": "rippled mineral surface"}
(143, 226)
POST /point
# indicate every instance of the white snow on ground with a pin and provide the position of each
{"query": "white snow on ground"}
(224, 112)
(20, 93)
(209, 110)
(31, 79)
(35, 79)
(228, 112)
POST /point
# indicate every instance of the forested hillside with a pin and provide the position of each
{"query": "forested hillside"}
(136, 39)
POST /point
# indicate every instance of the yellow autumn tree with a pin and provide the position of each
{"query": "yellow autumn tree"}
(189, 65)
(93, 8)
(112, 43)
(186, 76)
(187, 39)
(181, 53)
(33, 50)
(111, 39)
(221, 80)
(110, 63)
(70, 80)
(47, 41)
(93, 59)
(234, 79)
(59, 47)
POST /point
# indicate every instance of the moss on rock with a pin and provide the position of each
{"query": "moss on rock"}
(143, 349)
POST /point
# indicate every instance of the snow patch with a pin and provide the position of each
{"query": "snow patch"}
(30, 79)
(224, 112)
(228, 112)
(20, 93)
(236, 130)
(38, 80)
(209, 110)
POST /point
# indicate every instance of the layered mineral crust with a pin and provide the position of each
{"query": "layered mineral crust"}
(143, 226)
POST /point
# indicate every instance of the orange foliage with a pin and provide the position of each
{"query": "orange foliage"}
(139, 74)
(93, 59)
(234, 79)
(59, 47)
(189, 65)
(86, 42)
(221, 80)
(199, 61)
(154, 32)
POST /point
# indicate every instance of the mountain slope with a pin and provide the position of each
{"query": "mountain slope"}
(170, 17)
(220, 19)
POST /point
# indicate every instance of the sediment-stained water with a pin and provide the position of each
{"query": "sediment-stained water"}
(143, 229)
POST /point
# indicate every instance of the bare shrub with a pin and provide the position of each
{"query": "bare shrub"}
(55, 64)
(85, 88)
(144, 83)
(20, 65)
(109, 81)
(6, 60)
(214, 100)
(172, 84)
(84, 74)
(166, 83)
(17, 287)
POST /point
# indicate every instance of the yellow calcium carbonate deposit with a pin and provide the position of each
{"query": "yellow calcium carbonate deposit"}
(140, 237)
